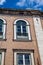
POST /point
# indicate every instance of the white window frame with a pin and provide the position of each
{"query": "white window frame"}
(2, 61)
(4, 28)
(15, 58)
(28, 29)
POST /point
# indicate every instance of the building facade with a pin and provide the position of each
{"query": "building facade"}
(21, 37)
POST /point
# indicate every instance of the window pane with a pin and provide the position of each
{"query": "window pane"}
(0, 29)
(23, 22)
(23, 58)
(0, 58)
(18, 28)
(24, 29)
(27, 59)
(1, 25)
(20, 59)
(1, 21)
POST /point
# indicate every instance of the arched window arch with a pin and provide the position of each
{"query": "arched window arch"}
(2, 28)
(22, 30)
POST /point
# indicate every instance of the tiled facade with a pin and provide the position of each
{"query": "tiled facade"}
(11, 46)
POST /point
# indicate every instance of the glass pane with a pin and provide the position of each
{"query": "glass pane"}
(24, 29)
(27, 59)
(0, 29)
(1, 21)
(23, 23)
(18, 22)
(1, 25)
(18, 28)
(0, 58)
(20, 59)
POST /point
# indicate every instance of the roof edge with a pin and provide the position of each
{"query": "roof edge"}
(20, 11)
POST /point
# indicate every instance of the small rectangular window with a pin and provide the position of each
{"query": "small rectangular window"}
(26, 58)
(23, 58)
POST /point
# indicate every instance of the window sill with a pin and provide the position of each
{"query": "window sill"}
(22, 40)
(3, 39)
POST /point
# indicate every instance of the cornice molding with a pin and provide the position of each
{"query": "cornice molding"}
(20, 12)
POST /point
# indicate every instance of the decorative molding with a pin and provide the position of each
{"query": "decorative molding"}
(20, 12)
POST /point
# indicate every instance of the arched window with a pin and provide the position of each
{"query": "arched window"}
(2, 29)
(21, 30)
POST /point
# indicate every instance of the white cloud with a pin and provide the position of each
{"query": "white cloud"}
(38, 3)
(29, 3)
(21, 3)
(2, 2)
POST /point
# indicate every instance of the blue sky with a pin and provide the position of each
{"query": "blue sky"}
(22, 4)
